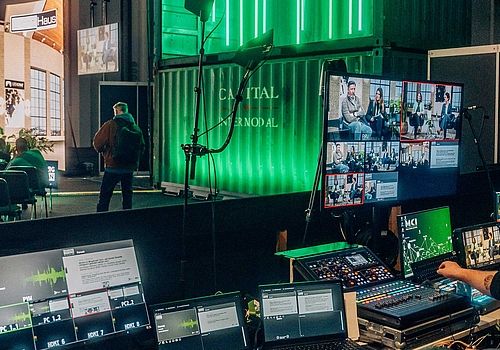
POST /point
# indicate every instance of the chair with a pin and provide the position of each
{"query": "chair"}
(19, 189)
(37, 186)
(6, 207)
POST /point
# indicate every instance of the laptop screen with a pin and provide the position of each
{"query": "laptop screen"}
(423, 235)
(207, 323)
(303, 310)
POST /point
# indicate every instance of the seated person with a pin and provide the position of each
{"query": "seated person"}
(337, 159)
(487, 282)
(376, 114)
(30, 157)
(447, 117)
(4, 154)
(353, 114)
(417, 117)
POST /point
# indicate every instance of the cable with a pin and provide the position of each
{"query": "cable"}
(216, 125)
(212, 195)
(216, 26)
(248, 74)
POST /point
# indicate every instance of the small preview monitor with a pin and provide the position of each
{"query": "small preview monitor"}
(65, 296)
(205, 323)
(307, 310)
(479, 245)
(423, 235)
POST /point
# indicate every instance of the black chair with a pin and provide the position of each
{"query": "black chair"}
(7, 209)
(19, 188)
(36, 183)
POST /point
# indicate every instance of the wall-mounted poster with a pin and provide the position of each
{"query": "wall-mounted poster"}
(14, 104)
(98, 49)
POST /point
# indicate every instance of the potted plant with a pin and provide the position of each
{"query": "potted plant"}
(42, 143)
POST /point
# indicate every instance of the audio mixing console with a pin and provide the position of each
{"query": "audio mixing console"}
(380, 296)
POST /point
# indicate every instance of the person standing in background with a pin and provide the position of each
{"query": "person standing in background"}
(121, 143)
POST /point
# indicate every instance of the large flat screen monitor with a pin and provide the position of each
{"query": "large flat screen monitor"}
(423, 235)
(389, 140)
(65, 296)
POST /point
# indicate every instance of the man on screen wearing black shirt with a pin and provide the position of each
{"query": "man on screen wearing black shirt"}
(487, 282)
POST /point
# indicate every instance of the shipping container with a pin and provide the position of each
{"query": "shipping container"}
(422, 24)
(277, 136)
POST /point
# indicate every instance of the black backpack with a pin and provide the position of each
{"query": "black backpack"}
(128, 142)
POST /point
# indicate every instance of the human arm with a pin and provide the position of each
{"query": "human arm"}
(348, 115)
(481, 280)
(101, 138)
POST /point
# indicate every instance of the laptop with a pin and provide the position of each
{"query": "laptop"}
(205, 323)
(304, 315)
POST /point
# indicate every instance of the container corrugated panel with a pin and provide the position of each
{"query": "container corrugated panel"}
(277, 136)
(423, 24)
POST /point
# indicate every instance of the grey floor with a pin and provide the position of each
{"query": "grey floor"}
(79, 195)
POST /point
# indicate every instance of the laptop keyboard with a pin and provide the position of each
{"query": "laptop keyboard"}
(333, 345)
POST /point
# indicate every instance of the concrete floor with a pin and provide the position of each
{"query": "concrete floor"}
(79, 195)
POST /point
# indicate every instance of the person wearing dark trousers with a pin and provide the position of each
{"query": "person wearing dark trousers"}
(417, 119)
(375, 114)
(121, 143)
(446, 114)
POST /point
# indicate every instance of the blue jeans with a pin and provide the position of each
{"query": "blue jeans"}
(360, 130)
(109, 181)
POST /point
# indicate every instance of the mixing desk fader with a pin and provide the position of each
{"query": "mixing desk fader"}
(380, 296)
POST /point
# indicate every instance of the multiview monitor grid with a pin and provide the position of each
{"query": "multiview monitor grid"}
(60, 297)
(388, 140)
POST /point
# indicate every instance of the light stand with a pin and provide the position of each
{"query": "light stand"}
(466, 114)
(329, 65)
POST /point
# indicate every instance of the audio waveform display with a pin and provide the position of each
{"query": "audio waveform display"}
(22, 317)
(189, 324)
(49, 276)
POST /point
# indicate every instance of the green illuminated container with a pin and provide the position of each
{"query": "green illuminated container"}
(277, 137)
(422, 24)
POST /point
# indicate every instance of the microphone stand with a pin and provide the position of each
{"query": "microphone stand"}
(467, 116)
(192, 150)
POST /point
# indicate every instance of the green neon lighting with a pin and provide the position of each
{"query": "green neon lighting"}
(298, 21)
(360, 15)
(241, 22)
(302, 14)
(227, 22)
(264, 16)
(330, 20)
(350, 16)
(256, 18)
(213, 12)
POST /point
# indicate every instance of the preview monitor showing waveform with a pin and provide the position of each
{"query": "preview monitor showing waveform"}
(64, 296)
(210, 322)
